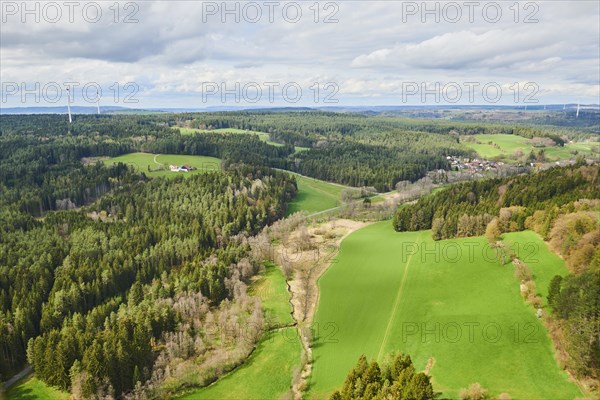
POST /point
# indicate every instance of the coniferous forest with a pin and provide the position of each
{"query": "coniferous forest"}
(110, 278)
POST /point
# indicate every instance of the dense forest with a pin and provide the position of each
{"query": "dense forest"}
(366, 150)
(86, 296)
(361, 148)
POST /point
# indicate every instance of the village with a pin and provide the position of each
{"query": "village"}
(473, 165)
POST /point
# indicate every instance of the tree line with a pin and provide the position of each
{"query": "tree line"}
(465, 209)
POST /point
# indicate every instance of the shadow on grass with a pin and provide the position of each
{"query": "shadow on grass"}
(21, 394)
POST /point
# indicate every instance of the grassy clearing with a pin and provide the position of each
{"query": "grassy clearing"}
(508, 144)
(270, 287)
(32, 388)
(267, 374)
(460, 315)
(262, 135)
(150, 163)
(315, 195)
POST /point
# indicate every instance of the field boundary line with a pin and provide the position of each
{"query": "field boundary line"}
(396, 304)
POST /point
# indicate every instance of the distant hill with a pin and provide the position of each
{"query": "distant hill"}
(61, 110)
(367, 110)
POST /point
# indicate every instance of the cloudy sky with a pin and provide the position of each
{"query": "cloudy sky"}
(305, 53)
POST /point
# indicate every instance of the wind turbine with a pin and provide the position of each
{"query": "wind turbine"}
(577, 114)
(98, 102)
(69, 105)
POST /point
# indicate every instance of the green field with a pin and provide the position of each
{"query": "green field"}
(146, 161)
(462, 313)
(315, 195)
(544, 264)
(267, 374)
(271, 288)
(33, 389)
(508, 144)
(262, 135)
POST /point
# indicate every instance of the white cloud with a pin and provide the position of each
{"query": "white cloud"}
(370, 52)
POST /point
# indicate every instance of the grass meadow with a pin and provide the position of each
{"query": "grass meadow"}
(507, 145)
(32, 388)
(315, 195)
(451, 305)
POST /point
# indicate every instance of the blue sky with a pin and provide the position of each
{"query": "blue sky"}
(304, 53)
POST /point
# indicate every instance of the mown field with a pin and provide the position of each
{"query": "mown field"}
(32, 388)
(315, 195)
(460, 316)
(509, 144)
(158, 164)
(267, 373)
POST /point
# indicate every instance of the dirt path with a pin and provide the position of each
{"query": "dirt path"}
(17, 377)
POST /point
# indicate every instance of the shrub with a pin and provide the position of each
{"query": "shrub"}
(474, 392)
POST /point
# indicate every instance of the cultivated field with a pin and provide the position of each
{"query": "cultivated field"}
(158, 164)
(33, 389)
(450, 305)
(507, 145)
(267, 373)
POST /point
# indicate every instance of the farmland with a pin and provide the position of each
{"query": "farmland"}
(504, 146)
(158, 164)
(424, 304)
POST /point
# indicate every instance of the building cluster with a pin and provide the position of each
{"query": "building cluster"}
(473, 165)
(181, 168)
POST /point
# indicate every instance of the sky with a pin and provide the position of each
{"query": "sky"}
(193, 54)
